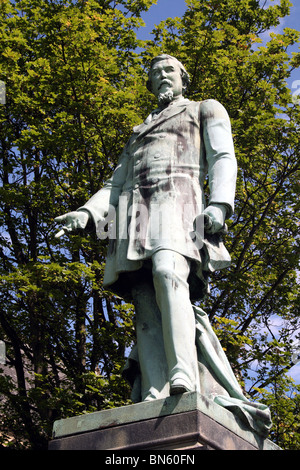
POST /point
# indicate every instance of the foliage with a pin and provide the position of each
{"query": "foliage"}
(254, 306)
(75, 81)
(284, 400)
(72, 80)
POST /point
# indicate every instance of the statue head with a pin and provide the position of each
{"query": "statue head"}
(167, 75)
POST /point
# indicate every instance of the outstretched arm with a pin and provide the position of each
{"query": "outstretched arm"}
(98, 207)
(72, 221)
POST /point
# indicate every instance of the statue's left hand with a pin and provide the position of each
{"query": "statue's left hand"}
(214, 218)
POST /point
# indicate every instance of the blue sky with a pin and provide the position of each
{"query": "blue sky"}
(171, 8)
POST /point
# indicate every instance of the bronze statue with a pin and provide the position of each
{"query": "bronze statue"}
(166, 240)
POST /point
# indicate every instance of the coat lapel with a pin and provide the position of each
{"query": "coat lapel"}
(148, 125)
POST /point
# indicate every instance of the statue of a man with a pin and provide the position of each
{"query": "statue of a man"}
(159, 255)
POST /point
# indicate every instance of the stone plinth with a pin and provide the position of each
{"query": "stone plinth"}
(181, 422)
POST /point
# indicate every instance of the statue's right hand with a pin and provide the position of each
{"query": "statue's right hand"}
(72, 221)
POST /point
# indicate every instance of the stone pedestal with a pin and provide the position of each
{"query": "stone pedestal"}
(182, 422)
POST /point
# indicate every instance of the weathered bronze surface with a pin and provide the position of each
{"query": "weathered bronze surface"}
(165, 240)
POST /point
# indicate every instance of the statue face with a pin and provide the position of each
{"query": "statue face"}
(166, 76)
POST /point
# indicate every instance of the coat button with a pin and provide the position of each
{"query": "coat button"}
(157, 156)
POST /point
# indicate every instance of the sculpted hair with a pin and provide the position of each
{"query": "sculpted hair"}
(184, 74)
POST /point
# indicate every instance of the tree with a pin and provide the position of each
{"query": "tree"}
(220, 44)
(75, 88)
(72, 80)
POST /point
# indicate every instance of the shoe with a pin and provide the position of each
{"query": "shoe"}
(149, 398)
(177, 387)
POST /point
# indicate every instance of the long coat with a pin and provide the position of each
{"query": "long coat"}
(156, 191)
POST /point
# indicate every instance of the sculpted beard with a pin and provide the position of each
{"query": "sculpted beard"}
(165, 98)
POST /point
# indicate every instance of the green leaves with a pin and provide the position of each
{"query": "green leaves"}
(73, 81)
(75, 87)
(224, 47)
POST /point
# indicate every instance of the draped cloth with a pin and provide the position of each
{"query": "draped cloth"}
(217, 380)
(210, 352)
